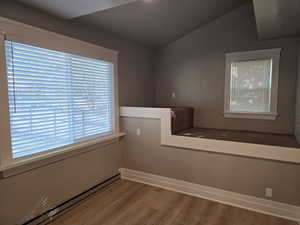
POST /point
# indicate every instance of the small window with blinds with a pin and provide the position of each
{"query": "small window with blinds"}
(55, 98)
(251, 84)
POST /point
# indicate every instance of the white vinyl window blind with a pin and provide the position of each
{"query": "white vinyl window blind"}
(251, 84)
(56, 98)
(250, 87)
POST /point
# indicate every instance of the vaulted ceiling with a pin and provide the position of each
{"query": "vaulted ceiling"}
(158, 22)
(69, 9)
(153, 23)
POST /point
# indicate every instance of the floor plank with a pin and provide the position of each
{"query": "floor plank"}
(129, 203)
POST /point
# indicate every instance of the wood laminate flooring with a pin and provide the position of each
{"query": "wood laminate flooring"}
(129, 203)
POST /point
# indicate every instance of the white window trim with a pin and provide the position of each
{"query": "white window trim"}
(256, 116)
(19, 32)
(273, 54)
(52, 156)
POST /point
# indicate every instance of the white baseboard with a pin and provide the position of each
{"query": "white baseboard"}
(265, 206)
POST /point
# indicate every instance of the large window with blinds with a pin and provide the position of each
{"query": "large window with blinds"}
(251, 84)
(55, 98)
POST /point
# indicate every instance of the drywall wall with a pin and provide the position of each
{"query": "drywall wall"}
(277, 18)
(30, 193)
(297, 105)
(194, 68)
(136, 83)
(232, 173)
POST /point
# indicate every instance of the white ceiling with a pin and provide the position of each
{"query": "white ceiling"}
(153, 23)
(157, 22)
(74, 8)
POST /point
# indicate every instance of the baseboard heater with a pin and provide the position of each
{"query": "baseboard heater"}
(62, 208)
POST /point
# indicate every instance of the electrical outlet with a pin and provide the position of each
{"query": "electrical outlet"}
(269, 192)
(138, 131)
(173, 95)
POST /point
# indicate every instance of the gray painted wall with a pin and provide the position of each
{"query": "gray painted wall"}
(22, 196)
(29, 194)
(194, 68)
(233, 173)
(136, 85)
(297, 113)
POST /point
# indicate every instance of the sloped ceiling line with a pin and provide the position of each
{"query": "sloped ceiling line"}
(152, 23)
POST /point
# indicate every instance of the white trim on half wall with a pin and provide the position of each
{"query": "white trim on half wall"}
(277, 153)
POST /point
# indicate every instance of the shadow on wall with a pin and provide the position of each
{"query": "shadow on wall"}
(191, 72)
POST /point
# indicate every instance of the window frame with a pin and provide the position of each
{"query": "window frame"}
(274, 55)
(22, 33)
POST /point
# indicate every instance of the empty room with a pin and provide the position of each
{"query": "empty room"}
(150, 112)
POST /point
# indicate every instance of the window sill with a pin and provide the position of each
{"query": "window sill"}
(20, 166)
(255, 116)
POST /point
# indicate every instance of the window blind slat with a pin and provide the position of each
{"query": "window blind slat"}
(250, 88)
(55, 98)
